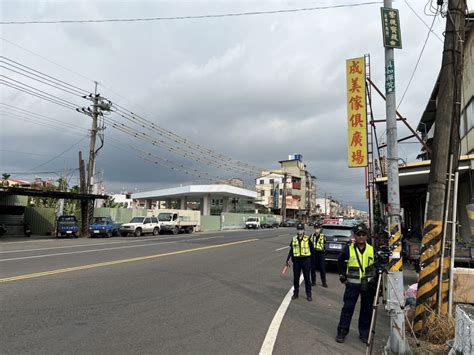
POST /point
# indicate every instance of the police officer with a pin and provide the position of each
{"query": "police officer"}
(318, 259)
(300, 254)
(357, 272)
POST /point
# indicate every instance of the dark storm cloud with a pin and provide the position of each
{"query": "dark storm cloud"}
(255, 88)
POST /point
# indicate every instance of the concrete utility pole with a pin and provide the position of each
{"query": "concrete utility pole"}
(283, 198)
(397, 342)
(445, 151)
(91, 164)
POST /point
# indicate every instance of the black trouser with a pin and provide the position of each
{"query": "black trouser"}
(350, 299)
(302, 264)
(318, 261)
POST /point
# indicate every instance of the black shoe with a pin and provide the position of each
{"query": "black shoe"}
(364, 339)
(313, 283)
(325, 285)
(340, 336)
(294, 297)
(309, 298)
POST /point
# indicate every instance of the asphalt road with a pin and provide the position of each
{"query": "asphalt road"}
(203, 293)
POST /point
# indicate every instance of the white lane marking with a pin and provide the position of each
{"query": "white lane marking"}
(102, 249)
(282, 248)
(94, 244)
(28, 241)
(284, 235)
(272, 333)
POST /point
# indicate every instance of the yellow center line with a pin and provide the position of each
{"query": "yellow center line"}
(116, 262)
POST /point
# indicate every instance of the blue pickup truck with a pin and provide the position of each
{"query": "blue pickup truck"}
(67, 226)
(104, 227)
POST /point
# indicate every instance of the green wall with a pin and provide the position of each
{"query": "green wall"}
(210, 223)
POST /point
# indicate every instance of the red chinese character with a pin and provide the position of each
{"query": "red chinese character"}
(356, 102)
(356, 120)
(357, 157)
(354, 68)
(355, 87)
(356, 139)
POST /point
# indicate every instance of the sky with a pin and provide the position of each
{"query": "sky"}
(251, 88)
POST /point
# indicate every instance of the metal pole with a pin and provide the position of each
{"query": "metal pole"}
(445, 231)
(397, 341)
(453, 243)
(91, 165)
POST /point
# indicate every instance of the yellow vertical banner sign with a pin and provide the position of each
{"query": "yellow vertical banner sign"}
(356, 113)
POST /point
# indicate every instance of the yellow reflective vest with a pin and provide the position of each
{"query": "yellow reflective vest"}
(318, 243)
(354, 272)
(300, 248)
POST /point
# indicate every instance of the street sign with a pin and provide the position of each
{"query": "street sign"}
(276, 198)
(390, 77)
(392, 37)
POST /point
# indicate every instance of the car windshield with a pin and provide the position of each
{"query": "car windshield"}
(137, 220)
(252, 219)
(99, 220)
(337, 232)
(165, 217)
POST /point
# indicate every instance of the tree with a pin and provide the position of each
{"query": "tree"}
(110, 203)
(5, 177)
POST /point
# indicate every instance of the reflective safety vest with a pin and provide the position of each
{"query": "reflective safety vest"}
(354, 272)
(301, 248)
(318, 242)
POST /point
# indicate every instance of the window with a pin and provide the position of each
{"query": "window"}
(469, 114)
(154, 220)
(272, 181)
(147, 220)
(262, 193)
(261, 182)
(175, 217)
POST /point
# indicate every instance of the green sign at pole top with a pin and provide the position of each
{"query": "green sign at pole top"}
(392, 37)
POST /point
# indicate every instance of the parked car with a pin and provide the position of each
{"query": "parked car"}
(289, 223)
(67, 226)
(269, 222)
(253, 222)
(174, 223)
(3, 229)
(141, 225)
(337, 237)
(104, 227)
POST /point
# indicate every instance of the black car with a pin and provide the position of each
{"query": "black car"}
(289, 223)
(269, 223)
(337, 237)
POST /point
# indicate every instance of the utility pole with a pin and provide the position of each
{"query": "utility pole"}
(91, 165)
(83, 190)
(283, 198)
(397, 342)
(445, 151)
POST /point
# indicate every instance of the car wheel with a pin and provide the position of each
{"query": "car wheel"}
(138, 232)
(190, 230)
(156, 231)
(108, 234)
(175, 230)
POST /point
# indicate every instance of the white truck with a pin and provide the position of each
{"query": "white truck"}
(253, 222)
(140, 225)
(174, 223)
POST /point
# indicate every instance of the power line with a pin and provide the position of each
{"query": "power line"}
(236, 14)
(58, 156)
(421, 19)
(42, 75)
(417, 62)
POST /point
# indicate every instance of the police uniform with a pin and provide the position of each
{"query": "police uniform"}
(357, 270)
(318, 259)
(300, 254)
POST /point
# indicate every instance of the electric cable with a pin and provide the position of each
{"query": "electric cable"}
(417, 62)
(237, 14)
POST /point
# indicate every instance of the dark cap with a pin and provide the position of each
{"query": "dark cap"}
(360, 229)
(317, 225)
(300, 226)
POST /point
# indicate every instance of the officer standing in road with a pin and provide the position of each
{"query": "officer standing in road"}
(357, 272)
(300, 254)
(318, 259)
